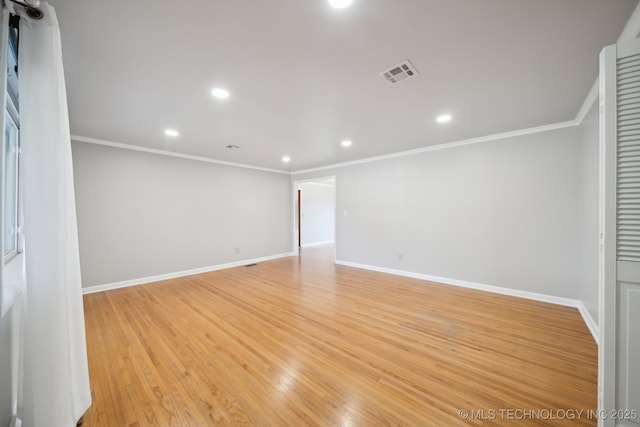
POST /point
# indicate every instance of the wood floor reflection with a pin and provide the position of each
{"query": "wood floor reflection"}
(300, 341)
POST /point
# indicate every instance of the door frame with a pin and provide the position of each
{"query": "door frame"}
(612, 360)
(299, 218)
(607, 309)
(295, 222)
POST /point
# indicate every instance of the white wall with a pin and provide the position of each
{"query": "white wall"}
(142, 214)
(589, 227)
(317, 213)
(501, 213)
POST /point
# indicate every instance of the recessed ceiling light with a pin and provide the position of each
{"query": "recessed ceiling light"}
(220, 93)
(346, 143)
(171, 132)
(444, 118)
(286, 159)
(340, 4)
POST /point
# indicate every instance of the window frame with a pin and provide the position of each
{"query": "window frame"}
(12, 113)
(13, 118)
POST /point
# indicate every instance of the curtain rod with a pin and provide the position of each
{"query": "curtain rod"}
(32, 11)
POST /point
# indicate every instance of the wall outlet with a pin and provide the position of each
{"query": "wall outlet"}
(400, 257)
(237, 250)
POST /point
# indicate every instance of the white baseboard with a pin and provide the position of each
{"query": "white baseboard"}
(310, 245)
(593, 328)
(586, 316)
(143, 280)
(591, 324)
(489, 288)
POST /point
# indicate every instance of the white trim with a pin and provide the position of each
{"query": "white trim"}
(311, 245)
(315, 180)
(592, 97)
(629, 32)
(586, 316)
(150, 279)
(488, 138)
(295, 250)
(632, 27)
(591, 324)
(15, 422)
(96, 141)
(454, 144)
(320, 184)
(464, 284)
(607, 358)
(294, 215)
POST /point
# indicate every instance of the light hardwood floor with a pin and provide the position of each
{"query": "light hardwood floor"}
(301, 341)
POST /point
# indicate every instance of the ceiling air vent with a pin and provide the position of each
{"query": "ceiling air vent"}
(399, 72)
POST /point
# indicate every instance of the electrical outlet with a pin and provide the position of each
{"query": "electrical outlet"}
(400, 257)
(237, 250)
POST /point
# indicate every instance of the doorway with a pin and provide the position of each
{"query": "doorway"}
(314, 212)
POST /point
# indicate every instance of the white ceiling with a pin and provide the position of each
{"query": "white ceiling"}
(304, 76)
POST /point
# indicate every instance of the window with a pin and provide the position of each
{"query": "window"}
(10, 186)
(11, 152)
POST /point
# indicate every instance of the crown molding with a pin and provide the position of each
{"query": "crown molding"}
(630, 31)
(96, 141)
(488, 138)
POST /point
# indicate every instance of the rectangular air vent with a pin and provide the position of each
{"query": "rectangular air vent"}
(399, 72)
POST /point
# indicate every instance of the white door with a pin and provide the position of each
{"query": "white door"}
(619, 353)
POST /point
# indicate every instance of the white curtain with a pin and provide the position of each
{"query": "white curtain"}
(56, 380)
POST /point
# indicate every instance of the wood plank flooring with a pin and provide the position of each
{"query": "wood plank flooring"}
(303, 342)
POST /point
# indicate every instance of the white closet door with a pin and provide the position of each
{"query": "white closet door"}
(619, 381)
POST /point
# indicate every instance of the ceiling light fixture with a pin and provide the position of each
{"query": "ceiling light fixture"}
(171, 132)
(340, 4)
(286, 159)
(346, 143)
(444, 118)
(220, 93)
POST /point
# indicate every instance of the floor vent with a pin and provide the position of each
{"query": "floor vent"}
(399, 72)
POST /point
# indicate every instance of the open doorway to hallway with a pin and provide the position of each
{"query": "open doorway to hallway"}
(315, 207)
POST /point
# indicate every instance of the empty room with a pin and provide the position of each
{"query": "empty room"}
(320, 213)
